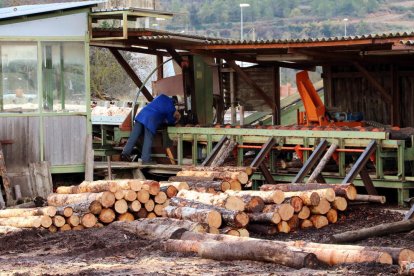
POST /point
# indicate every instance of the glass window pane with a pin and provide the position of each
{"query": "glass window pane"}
(64, 77)
(18, 85)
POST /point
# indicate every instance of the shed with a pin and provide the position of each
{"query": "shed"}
(44, 88)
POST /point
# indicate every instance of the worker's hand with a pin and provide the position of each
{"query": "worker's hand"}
(177, 116)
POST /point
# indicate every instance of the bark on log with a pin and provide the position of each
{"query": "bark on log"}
(190, 178)
(247, 170)
(285, 210)
(179, 185)
(371, 198)
(88, 187)
(309, 198)
(43, 211)
(276, 197)
(9, 229)
(322, 163)
(378, 230)
(257, 251)
(222, 200)
(242, 177)
(22, 222)
(340, 203)
(209, 186)
(229, 231)
(231, 218)
(89, 220)
(262, 229)
(169, 190)
(208, 216)
(78, 227)
(253, 204)
(158, 228)
(319, 221)
(142, 213)
(296, 202)
(272, 217)
(345, 190)
(64, 211)
(107, 199)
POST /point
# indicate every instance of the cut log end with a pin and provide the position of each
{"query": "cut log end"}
(89, 220)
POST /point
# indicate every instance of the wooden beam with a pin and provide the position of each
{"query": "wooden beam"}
(131, 73)
(395, 116)
(252, 84)
(276, 95)
(129, 48)
(176, 56)
(383, 93)
(160, 71)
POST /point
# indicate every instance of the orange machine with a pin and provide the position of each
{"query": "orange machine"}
(315, 111)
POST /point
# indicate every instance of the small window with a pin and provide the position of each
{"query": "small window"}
(64, 86)
(18, 84)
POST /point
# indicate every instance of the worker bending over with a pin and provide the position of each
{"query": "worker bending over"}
(160, 110)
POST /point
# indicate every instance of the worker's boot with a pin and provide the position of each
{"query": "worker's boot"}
(126, 157)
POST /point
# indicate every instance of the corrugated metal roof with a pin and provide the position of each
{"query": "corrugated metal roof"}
(132, 9)
(27, 10)
(310, 40)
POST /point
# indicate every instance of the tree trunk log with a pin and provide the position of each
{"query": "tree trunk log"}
(65, 211)
(153, 187)
(121, 206)
(345, 190)
(242, 177)
(89, 220)
(231, 218)
(371, 198)
(160, 198)
(378, 230)
(134, 206)
(209, 186)
(247, 170)
(272, 217)
(309, 198)
(169, 190)
(190, 178)
(304, 213)
(305, 224)
(130, 195)
(322, 163)
(319, 221)
(296, 202)
(107, 199)
(158, 209)
(43, 211)
(89, 187)
(9, 229)
(222, 200)
(107, 215)
(59, 221)
(283, 227)
(262, 229)
(229, 231)
(276, 197)
(73, 220)
(179, 185)
(332, 216)
(285, 210)
(208, 216)
(126, 217)
(340, 203)
(257, 251)
(65, 227)
(149, 205)
(143, 196)
(322, 208)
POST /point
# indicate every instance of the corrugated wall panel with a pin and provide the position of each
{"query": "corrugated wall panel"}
(24, 131)
(65, 138)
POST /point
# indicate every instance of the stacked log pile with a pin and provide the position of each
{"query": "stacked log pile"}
(92, 204)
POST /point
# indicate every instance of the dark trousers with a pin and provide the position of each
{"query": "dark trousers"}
(137, 130)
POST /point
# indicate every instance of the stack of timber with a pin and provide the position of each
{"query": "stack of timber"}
(91, 204)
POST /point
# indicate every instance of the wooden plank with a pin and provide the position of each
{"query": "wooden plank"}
(131, 73)
(41, 179)
(382, 91)
(269, 101)
(5, 178)
(89, 158)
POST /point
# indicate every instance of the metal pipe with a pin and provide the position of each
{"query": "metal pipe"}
(298, 148)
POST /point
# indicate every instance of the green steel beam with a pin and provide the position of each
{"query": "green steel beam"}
(67, 169)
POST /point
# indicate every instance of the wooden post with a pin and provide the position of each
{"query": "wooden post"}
(6, 179)
(276, 95)
(321, 165)
(41, 179)
(89, 158)
(233, 100)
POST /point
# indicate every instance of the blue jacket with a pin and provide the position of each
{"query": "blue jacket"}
(160, 110)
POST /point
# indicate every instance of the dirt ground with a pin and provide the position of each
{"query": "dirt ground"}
(108, 251)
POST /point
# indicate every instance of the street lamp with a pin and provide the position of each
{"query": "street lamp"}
(242, 5)
(345, 21)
